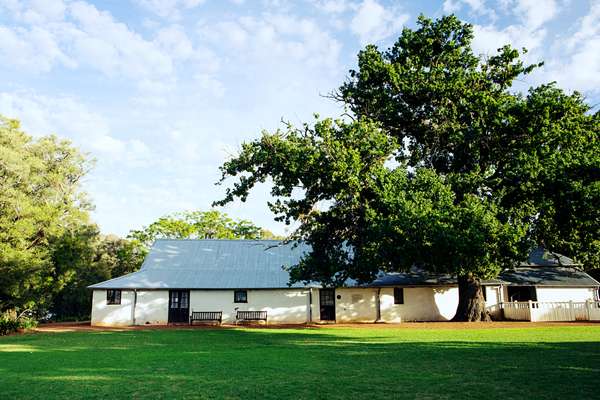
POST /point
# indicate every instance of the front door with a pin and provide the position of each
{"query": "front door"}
(327, 303)
(179, 306)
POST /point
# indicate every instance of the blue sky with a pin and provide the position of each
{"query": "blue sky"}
(161, 92)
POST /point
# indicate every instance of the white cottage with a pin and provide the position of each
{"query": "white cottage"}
(230, 280)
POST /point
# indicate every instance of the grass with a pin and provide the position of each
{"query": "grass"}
(324, 363)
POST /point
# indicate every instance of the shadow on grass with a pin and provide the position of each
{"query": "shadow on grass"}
(294, 364)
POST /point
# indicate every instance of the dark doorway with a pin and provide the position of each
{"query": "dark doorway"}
(179, 306)
(522, 293)
(327, 303)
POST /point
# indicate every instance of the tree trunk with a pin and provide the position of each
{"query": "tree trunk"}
(471, 304)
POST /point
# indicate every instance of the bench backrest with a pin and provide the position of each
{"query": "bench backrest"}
(206, 315)
(252, 315)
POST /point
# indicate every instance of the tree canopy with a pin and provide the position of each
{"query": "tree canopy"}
(40, 201)
(442, 165)
(211, 224)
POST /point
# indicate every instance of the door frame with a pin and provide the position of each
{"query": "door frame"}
(331, 306)
(176, 317)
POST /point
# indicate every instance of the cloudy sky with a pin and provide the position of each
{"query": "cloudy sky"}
(161, 92)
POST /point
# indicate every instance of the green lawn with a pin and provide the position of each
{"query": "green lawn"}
(324, 363)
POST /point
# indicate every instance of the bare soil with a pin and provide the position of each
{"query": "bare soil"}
(85, 326)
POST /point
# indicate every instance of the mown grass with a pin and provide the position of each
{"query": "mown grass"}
(324, 363)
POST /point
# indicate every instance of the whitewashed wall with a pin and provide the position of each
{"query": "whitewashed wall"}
(547, 294)
(104, 314)
(493, 295)
(284, 306)
(356, 305)
(152, 307)
(420, 304)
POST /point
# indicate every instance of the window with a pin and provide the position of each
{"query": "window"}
(240, 296)
(398, 295)
(113, 296)
(184, 303)
(174, 299)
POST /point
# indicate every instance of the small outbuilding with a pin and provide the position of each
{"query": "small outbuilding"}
(233, 280)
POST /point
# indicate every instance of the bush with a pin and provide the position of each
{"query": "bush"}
(9, 323)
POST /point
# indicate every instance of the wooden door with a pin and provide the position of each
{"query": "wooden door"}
(179, 306)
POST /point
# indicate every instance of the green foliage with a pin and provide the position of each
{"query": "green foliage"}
(535, 155)
(40, 201)
(89, 258)
(444, 166)
(444, 104)
(10, 322)
(198, 225)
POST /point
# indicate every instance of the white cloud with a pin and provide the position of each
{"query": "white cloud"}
(169, 8)
(276, 37)
(490, 38)
(530, 32)
(97, 35)
(68, 117)
(174, 41)
(575, 63)
(373, 22)
(33, 49)
(535, 13)
(452, 6)
(334, 6)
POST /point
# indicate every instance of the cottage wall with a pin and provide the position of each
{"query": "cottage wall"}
(104, 314)
(283, 306)
(547, 294)
(152, 307)
(356, 305)
(420, 304)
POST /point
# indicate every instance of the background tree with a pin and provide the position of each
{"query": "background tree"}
(89, 257)
(40, 200)
(475, 172)
(211, 224)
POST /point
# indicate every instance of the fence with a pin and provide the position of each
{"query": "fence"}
(551, 311)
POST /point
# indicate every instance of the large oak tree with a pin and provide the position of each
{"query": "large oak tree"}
(444, 166)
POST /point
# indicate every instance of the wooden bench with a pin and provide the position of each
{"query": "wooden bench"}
(251, 316)
(204, 316)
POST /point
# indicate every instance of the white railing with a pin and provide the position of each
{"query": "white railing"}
(517, 311)
(551, 311)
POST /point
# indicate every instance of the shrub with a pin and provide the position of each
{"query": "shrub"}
(10, 322)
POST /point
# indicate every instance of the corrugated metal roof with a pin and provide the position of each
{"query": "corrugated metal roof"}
(420, 278)
(541, 257)
(259, 264)
(547, 276)
(213, 264)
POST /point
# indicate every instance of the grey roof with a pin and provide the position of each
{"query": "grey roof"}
(547, 276)
(541, 257)
(212, 264)
(259, 264)
(418, 277)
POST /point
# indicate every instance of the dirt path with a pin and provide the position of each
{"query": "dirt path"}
(85, 326)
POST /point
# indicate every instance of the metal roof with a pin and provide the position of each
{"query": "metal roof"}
(259, 264)
(418, 277)
(547, 276)
(213, 264)
(541, 257)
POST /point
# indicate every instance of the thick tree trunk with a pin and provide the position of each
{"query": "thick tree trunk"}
(471, 304)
